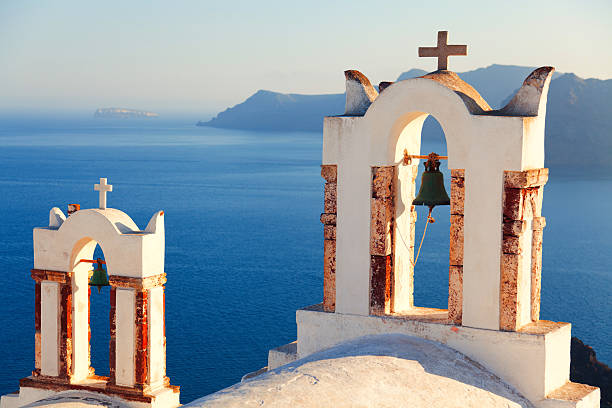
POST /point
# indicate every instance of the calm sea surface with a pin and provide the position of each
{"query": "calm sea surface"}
(243, 238)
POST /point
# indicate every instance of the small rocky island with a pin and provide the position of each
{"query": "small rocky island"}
(123, 113)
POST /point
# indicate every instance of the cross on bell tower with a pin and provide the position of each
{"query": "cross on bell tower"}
(103, 188)
(443, 50)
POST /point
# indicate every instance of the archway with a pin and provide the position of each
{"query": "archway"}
(394, 124)
(394, 231)
(431, 268)
(90, 337)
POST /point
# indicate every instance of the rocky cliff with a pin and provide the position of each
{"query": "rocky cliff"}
(578, 125)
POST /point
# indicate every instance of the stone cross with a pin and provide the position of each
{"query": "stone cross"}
(103, 188)
(443, 50)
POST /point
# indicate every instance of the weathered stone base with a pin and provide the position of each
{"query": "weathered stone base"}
(33, 389)
(520, 358)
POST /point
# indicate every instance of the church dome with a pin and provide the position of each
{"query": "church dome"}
(390, 370)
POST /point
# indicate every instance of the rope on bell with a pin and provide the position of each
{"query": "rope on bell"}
(429, 219)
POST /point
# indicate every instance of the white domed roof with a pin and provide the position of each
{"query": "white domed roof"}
(374, 371)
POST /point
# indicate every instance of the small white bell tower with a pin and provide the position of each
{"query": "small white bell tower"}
(137, 352)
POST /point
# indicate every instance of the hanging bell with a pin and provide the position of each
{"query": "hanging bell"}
(432, 191)
(99, 277)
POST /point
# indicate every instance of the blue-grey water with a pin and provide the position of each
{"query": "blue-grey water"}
(243, 238)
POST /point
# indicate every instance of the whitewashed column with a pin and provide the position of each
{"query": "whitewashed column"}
(49, 328)
(53, 323)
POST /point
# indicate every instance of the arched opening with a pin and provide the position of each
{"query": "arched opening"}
(431, 267)
(91, 311)
(421, 287)
(99, 311)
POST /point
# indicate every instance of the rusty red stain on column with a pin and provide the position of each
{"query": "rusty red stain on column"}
(37, 341)
(37, 306)
(65, 330)
(142, 339)
(382, 213)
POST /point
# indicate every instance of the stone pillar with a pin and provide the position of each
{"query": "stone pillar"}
(328, 218)
(521, 247)
(123, 333)
(157, 337)
(142, 339)
(53, 324)
(536, 264)
(138, 342)
(455, 269)
(66, 329)
(382, 216)
(81, 332)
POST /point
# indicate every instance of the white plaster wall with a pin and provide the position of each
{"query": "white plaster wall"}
(484, 146)
(337, 131)
(157, 350)
(80, 325)
(49, 328)
(497, 148)
(482, 247)
(282, 355)
(127, 250)
(125, 337)
(533, 142)
(523, 360)
(353, 231)
(28, 395)
(557, 358)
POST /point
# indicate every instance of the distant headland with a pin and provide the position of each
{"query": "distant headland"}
(123, 113)
(578, 121)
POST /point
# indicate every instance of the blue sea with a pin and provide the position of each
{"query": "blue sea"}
(244, 244)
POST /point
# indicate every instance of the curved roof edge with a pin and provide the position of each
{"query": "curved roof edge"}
(375, 370)
(527, 101)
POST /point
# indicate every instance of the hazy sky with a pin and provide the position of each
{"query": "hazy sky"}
(201, 56)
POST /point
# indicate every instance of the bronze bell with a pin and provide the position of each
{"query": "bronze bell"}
(432, 191)
(99, 277)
